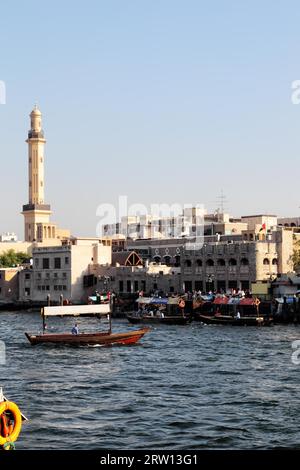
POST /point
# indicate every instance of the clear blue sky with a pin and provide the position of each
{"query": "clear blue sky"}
(161, 100)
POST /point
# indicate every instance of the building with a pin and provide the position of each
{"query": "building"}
(58, 271)
(8, 237)
(37, 225)
(224, 265)
(128, 275)
(192, 222)
(9, 284)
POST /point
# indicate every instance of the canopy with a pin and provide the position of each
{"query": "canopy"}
(249, 301)
(158, 300)
(76, 310)
(289, 300)
(221, 300)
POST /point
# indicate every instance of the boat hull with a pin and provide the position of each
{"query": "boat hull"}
(243, 321)
(105, 339)
(167, 320)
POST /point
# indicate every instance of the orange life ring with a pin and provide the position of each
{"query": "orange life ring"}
(17, 417)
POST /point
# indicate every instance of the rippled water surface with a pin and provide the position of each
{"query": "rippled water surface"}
(182, 387)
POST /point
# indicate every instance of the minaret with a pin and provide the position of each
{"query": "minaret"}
(36, 144)
(36, 212)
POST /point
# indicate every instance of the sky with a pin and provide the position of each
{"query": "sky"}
(164, 101)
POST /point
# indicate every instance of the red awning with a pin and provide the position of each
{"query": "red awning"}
(221, 300)
(247, 301)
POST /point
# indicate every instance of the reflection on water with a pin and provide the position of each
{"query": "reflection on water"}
(182, 387)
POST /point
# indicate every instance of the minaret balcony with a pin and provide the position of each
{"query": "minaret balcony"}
(37, 207)
(35, 135)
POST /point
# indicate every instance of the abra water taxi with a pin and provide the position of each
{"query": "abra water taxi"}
(104, 338)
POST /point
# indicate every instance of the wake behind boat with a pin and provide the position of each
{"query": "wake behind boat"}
(105, 338)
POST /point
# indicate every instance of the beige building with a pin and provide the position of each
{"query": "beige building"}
(59, 271)
(128, 275)
(237, 264)
(38, 227)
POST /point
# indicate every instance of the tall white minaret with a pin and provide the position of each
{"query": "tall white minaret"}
(36, 212)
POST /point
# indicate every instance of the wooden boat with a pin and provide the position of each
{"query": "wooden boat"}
(166, 320)
(104, 338)
(229, 320)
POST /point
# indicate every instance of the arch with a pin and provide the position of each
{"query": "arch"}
(188, 263)
(210, 262)
(221, 262)
(275, 261)
(157, 258)
(251, 237)
(232, 262)
(167, 259)
(244, 262)
(293, 224)
(266, 262)
(49, 232)
(199, 263)
(177, 260)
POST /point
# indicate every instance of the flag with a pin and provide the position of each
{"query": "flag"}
(263, 227)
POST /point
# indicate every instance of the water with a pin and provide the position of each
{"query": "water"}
(182, 387)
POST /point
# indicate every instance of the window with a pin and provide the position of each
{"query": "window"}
(66, 260)
(199, 263)
(55, 275)
(47, 287)
(43, 287)
(27, 276)
(39, 288)
(244, 262)
(36, 262)
(274, 261)
(57, 263)
(136, 286)
(64, 275)
(188, 263)
(188, 286)
(27, 291)
(59, 287)
(266, 262)
(64, 287)
(128, 286)
(46, 263)
(47, 275)
(55, 287)
(221, 262)
(232, 262)
(121, 286)
(210, 262)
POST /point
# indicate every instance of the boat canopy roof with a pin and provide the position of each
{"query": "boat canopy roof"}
(158, 300)
(76, 310)
(223, 300)
(289, 300)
